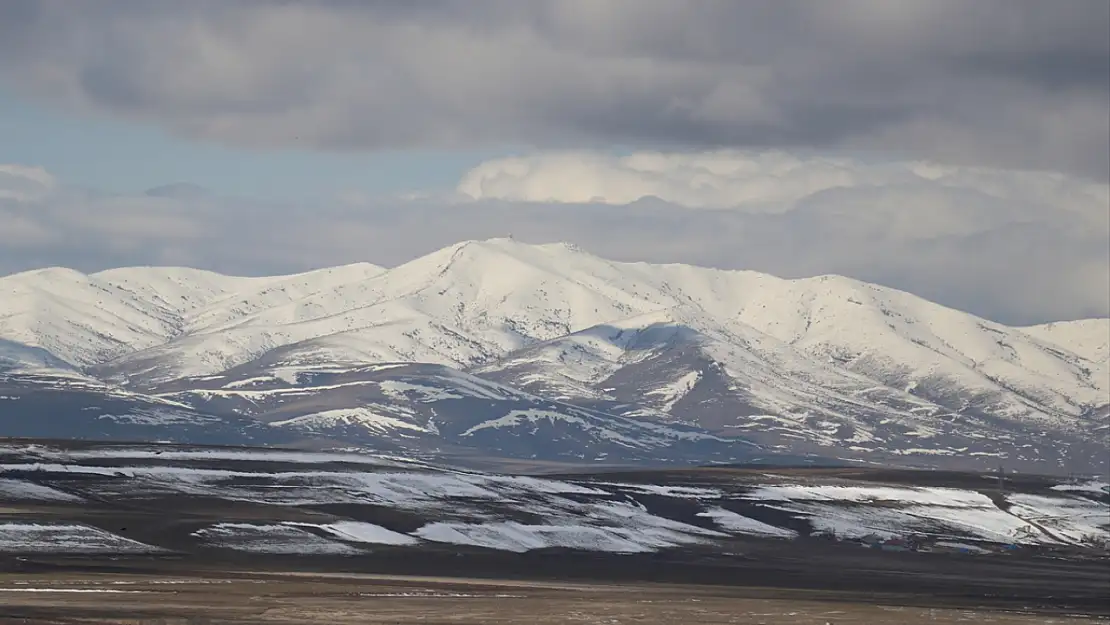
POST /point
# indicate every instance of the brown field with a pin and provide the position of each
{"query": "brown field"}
(340, 599)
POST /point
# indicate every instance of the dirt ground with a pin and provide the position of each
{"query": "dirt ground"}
(308, 599)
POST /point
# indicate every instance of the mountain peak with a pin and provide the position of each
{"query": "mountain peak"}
(511, 245)
(46, 274)
(491, 260)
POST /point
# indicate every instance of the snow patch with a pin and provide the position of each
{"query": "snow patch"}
(65, 538)
(1072, 520)
(856, 512)
(23, 490)
(740, 524)
(1097, 487)
(270, 538)
(360, 532)
(516, 418)
(671, 393)
(361, 417)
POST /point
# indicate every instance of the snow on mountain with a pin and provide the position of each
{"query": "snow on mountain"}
(349, 417)
(1088, 338)
(78, 318)
(738, 381)
(90, 319)
(829, 360)
(267, 293)
(458, 306)
(86, 320)
(904, 341)
(662, 360)
(472, 302)
(425, 407)
(176, 290)
(17, 357)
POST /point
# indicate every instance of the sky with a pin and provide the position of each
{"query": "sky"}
(959, 151)
(120, 156)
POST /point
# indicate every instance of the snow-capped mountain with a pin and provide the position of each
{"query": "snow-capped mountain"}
(87, 320)
(825, 365)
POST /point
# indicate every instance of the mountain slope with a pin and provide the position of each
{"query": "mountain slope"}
(474, 301)
(89, 320)
(1089, 338)
(822, 365)
(46, 405)
(77, 318)
(425, 407)
(667, 367)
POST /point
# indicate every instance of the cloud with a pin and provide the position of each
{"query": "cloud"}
(1007, 83)
(1018, 247)
(704, 180)
(22, 183)
(775, 182)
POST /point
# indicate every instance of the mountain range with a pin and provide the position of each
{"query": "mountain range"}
(499, 348)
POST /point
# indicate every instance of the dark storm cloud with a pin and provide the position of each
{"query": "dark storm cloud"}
(1020, 83)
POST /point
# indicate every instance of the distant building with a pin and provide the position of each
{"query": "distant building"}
(875, 541)
(897, 544)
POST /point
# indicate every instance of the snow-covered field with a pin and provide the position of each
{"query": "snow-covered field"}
(740, 524)
(388, 504)
(360, 532)
(23, 537)
(18, 490)
(269, 538)
(889, 512)
(1094, 486)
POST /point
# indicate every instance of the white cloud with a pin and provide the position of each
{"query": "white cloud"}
(723, 179)
(778, 182)
(22, 183)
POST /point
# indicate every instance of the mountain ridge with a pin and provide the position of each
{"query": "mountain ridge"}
(823, 363)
